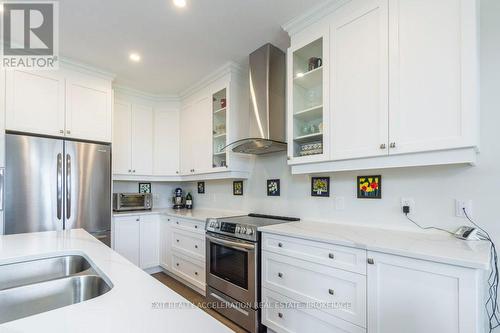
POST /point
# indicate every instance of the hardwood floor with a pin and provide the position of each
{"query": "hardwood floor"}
(195, 298)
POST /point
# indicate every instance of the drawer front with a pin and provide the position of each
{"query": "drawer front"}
(343, 292)
(189, 243)
(281, 317)
(188, 225)
(189, 270)
(343, 257)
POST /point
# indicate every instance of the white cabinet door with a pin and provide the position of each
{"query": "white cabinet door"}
(122, 138)
(359, 80)
(166, 142)
(142, 140)
(165, 252)
(150, 241)
(88, 108)
(433, 66)
(202, 134)
(35, 102)
(415, 296)
(187, 139)
(126, 237)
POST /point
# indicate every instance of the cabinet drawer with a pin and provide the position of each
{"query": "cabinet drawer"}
(343, 257)
(343, 292)
(192, 271)
(188, 225)
(188, 243)
(280, 316)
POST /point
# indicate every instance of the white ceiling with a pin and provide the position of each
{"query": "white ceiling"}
(178, 46)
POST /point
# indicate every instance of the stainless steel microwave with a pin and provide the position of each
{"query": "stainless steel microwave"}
(132, 201)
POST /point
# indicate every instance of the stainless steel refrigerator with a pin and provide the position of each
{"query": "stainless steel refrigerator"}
(56, 184)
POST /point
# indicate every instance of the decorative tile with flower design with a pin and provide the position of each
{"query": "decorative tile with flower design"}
(273, 187)
(369, 187)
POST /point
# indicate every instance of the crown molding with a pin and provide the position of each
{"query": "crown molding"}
(79, 66)
(313, 15)
(121, 89)
(229, 67)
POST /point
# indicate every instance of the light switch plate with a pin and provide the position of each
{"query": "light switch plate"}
(460, 205)
(406, 201)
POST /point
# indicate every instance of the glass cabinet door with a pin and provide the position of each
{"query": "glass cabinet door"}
(219, 123)
(308, 122)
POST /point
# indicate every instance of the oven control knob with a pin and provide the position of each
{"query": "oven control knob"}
(249, 231)
(237, 229)
(216, 224)
(243, 230)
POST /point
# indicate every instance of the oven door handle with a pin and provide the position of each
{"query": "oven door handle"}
(232, 244)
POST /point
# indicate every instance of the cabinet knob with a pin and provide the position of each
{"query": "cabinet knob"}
(195, 273)
(68, 132)
(137, 219)
(280, 275)
(280, 244)
(331, 256)
(177, 240)
(280, 315)
(177, 172)
(370, 261)
(382, 146)
(331, 291)
(196, 227)
(196, 246)
(392, 145)
(288, 158)
(129, 170)
(177, 264)
(177, 222)
(61, 131)
(133, 171)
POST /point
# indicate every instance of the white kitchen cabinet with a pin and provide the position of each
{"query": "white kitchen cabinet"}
(414, 296)
(402, 89)
(166, 142)
(359, 78)
(142, 140)
(149, 241)
(132, 139)
(59, 103)
(122, 140)
(165, 248)
(137, 238)
(35, 102)
(126, 240)
(88, 108)
(187, 157)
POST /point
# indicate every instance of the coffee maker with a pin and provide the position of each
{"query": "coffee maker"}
(178, 199)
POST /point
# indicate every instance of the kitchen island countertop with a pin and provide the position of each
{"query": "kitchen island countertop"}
(136, 303)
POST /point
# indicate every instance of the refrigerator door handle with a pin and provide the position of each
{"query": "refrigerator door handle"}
(68, 186)
(59, 186)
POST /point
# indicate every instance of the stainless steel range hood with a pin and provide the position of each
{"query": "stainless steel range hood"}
(267, 132)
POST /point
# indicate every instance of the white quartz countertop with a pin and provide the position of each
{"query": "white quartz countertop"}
(433, 246)
(199, 214)
(132, 305)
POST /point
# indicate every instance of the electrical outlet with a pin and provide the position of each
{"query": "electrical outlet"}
(339, 203)
(460, 205)
(405, 201)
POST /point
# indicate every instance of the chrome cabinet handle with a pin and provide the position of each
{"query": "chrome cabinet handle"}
(59, 186)
(331, 291)
(280, 275)
(382, 146)
(331, 256)
(392, 145)
(61, 131)
(370, 261)
(68, 186)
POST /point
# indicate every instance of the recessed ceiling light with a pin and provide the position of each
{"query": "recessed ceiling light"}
(135, 57)
(180, 3)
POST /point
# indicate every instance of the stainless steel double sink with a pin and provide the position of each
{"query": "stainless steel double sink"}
(36, 286)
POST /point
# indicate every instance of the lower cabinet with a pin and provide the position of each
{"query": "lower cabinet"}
(137, 239)
(304, 292)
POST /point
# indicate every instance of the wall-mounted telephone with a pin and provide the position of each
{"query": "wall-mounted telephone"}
(467, 233)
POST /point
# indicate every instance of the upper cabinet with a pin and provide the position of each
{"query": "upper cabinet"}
(399, 85)
(145, 138)
(307, 98)
(59, 103)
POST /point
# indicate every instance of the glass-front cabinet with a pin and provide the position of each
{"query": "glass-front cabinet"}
(307, 105)
(219, 128)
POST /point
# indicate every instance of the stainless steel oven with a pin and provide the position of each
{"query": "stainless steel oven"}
(233, 267)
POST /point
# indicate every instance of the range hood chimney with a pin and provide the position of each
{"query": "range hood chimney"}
(267, 131)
